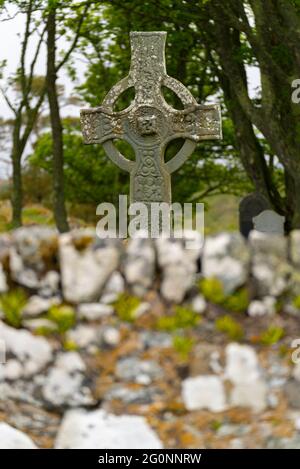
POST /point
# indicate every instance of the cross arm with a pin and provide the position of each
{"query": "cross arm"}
(100, 125)
(196, 123)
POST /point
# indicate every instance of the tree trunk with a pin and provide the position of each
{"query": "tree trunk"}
(60, 213)
(17, 192)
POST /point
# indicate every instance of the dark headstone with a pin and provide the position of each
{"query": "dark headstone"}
(251, 206)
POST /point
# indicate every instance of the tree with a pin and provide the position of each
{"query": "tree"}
(221, 40)
(29, 97)
(58, 15)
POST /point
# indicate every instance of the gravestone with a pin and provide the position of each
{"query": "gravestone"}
(251, 206)
(269, 221)
(149, 123)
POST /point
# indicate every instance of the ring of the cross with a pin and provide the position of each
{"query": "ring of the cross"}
(147, 125)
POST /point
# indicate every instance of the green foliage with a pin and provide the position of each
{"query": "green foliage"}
(126, 306)
(183, 345)
(238, 302)
(63, 316)
(272, 335)
(70, 346)
(12, 304)
(230, 327)
(296, 302)
(213, 290)
(182, 319)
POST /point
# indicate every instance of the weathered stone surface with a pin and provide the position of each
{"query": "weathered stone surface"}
(3, 280)
(33, 352)
(199, 304)
(266, 306)
(99, 430)
(241, 364)
(113, 288)
(243, 370)
(11, 438)
(292, 392)
(178, 271)
(50, 284)
(86, 267)
(270, 268)
(33, 253)
(269, 221)
(94, 311)
(149, 122)
(204, 392)
(295, 248)
(139, 371)
(143, 395)
(139, 265)
(64, 383)
(250, 394)
(110, 336)
(37, 305)
(12, 370)
(226, 257)
(83, 336)
(37, 324)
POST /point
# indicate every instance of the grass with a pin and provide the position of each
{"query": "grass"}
(272, 335)
(221, 214)
(213, 291)
(126, 306)
(230, 327)
(182, 318)
(12, 304)
(63, 316)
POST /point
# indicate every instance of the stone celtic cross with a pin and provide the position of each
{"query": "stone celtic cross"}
(149, 123)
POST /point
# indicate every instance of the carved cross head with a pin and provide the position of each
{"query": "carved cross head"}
(149, 123)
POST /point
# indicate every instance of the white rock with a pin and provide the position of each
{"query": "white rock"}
(83, 336)
(141, 309)
(199, 304)
(250, 394)
(99, 430)
(139, 265)
(70, 361)
(177, 267)
(29, 255)
(241, 364)
(12, 369)
(11, 438)
(271, 270)
(266, 306)
(113, 288)
(295, 247)
(226, 257)
(33, 352)
(63, 385)
(296, 372)
(37, 305)
(204, 392)
(40, 323)
(94, 311)
(84, 273)
(3, 282)
(111, 336)
(136, 370)
(49, 285)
